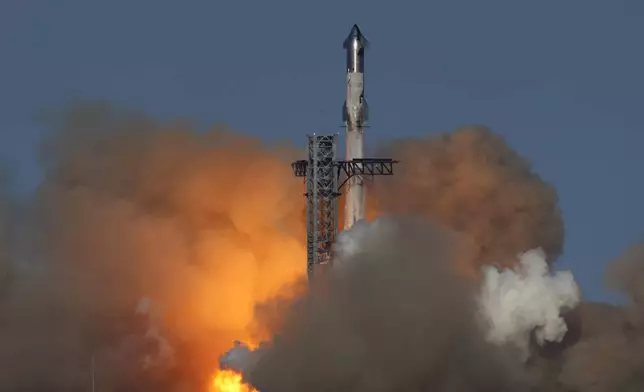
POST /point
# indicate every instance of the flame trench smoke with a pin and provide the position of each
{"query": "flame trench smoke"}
(151, 247)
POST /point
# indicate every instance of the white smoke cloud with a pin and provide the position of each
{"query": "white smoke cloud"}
(516, 302)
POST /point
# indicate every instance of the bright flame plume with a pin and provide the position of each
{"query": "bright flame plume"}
(229, 381)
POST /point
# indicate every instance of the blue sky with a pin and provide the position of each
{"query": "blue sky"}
(562, 80)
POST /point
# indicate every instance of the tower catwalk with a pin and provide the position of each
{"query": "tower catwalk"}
(324, 178)
(355, 114)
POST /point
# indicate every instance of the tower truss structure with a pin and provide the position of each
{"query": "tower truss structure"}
(324, 177)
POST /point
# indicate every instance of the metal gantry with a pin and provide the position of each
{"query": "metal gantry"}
(324, 176)
(321, 198)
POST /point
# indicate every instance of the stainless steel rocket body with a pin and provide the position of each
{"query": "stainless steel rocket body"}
(355, 115)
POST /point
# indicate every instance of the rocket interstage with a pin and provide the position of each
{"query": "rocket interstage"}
(355, 114)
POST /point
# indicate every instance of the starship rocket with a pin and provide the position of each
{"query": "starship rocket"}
(355, 114)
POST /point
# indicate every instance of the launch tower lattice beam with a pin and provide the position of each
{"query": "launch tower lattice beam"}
(324, 178)
(321, 198)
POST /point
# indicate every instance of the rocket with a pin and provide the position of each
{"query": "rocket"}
(355, 113)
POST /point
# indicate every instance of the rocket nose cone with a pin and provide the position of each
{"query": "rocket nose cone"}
(355, 35)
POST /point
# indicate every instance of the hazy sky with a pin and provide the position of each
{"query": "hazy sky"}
(560, 79)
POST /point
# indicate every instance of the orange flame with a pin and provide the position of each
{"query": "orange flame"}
(229, 381)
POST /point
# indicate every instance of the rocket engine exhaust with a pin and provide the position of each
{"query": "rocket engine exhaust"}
(355, 114)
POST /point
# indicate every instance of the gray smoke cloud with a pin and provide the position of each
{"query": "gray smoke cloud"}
(609, 356)
(396, 317)
(241, 357)
(396, 314)
(6, 229)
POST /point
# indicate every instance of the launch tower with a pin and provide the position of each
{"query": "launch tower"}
(325, 176)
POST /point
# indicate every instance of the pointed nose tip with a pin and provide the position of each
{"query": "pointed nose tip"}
(355, 33)
(355, 36)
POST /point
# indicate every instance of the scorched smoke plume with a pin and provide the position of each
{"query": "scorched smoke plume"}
(151, 248)
(471, 181)
(146, 240)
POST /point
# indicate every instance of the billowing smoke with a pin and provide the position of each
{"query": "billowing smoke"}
(609, 355)
(149, 248)
(472, 181)
(203, 225)
(517, 302)
(350, 243)
(397, 314)
(397, 317)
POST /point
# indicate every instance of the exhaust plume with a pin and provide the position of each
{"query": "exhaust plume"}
(152, 247)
